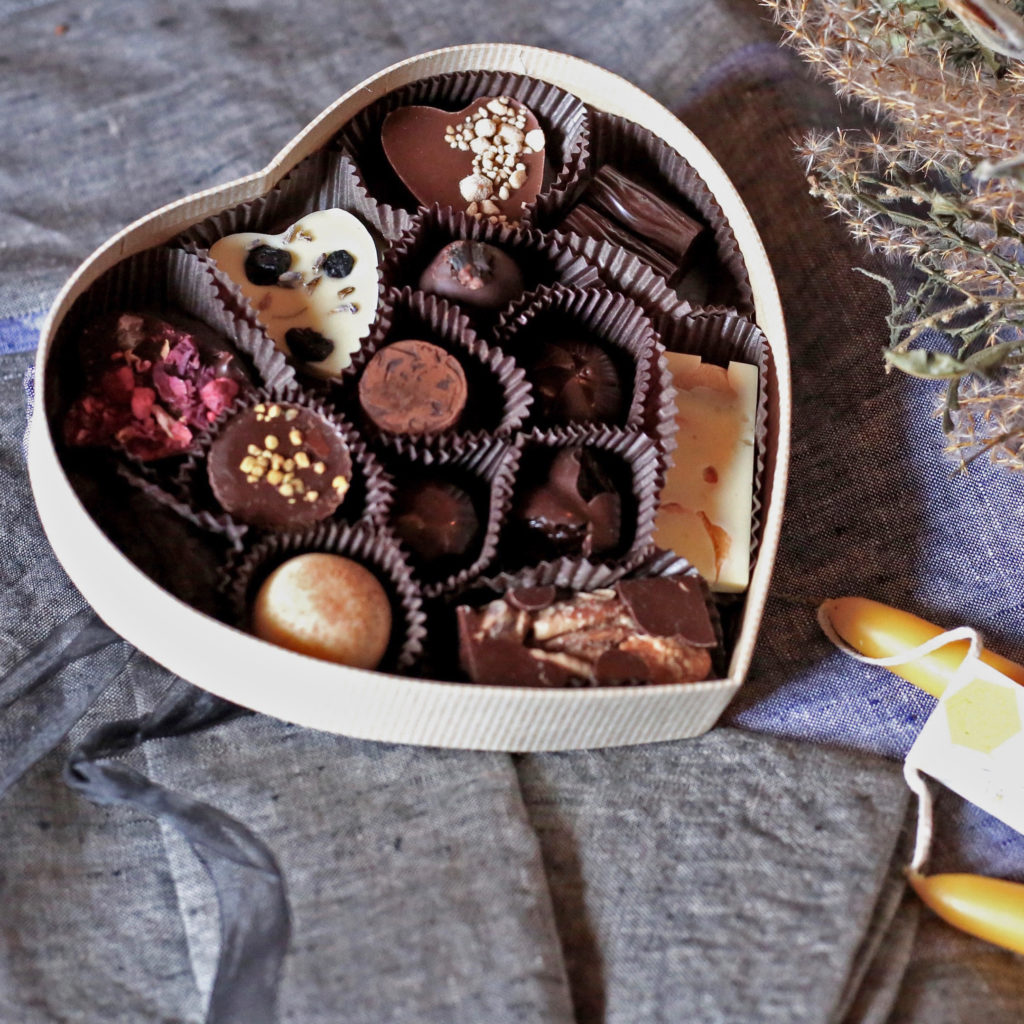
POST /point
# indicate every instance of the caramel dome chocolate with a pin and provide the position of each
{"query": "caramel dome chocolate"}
(413, 387)
(473, 274)
(326, 606)
(575, 510)
(435, 519)
(279, 466)
(576, 381)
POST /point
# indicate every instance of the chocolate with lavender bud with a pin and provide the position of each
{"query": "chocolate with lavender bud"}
(576, 381)
(646, 631)
(473, 274)
(435, 519)
(151, 384)
(279, 466)
(660, 224)
(575, 510)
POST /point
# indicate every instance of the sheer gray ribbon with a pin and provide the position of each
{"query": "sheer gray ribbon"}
(43, 696)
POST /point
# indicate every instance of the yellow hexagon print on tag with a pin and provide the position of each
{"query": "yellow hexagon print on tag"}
(982, 716)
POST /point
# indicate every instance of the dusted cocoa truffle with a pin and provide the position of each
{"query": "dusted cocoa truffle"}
(474, 274)
(279, 466)
(574, 511)
(576, 381)
(413, 387)
(435, 519)
(325, 606)
(151, 384)
(643, 631)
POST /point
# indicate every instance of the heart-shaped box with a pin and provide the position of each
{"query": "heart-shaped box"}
(376, 705)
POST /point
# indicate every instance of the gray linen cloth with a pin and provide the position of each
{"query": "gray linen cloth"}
(736, 877)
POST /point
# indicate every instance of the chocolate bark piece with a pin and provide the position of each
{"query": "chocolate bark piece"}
(151, 384)
(413, 387)
(279, 466)
(435, 519)
(486, 159)
(591, 639)
(473, 274)
(574, 511)
(645, 214)
(590, 224)
(576, 381)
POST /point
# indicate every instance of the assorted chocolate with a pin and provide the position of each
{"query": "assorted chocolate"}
(487, 159)
(654, 630)
(413, 387)
(473, 274)
(279, 466)
(151, 387)
(417, 382)
(313, 287)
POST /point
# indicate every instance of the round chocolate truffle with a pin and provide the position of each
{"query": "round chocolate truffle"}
(576, 381)
(474, 274)
(279, 466)
(575, 510)
(413, 387)
(435, 519)
(325, 606)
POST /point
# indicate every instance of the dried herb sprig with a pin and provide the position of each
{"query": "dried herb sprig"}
(937, 188)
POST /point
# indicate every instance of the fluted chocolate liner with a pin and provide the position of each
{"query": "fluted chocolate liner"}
(541, 259)
(344, 189)
(293, 197)
(615, 323)
(499, 395)
(632, 461)
(488, 469)
(624, 272)
(560, 114)
(220, 524)
(369, 493)
(375, 550)
(721, 337)
(634, 150)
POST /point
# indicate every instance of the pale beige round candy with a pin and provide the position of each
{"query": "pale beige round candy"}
(327, 607)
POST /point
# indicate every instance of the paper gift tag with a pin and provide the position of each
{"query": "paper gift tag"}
(974, 742)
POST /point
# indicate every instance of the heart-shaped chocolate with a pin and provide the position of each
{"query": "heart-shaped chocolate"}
(487, 159)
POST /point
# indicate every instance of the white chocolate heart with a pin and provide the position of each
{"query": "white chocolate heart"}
(339, 309)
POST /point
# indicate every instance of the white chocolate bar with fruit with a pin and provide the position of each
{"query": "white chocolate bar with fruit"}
(706, 504)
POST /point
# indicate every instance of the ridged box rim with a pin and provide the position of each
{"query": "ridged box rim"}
(374, 705)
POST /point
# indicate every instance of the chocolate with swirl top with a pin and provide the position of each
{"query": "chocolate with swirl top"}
(591, 224)
(636, 208)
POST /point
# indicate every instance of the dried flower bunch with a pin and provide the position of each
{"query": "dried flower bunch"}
(937, 185)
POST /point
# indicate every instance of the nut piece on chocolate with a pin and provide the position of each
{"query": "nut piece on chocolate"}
(649, 631)
(413, 387)
(151, 385)
(435, 519)
(279, 467)
(575, 511)
(576, 382)
(473, 274)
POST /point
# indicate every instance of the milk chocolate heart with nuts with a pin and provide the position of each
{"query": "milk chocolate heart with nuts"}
(487, 159)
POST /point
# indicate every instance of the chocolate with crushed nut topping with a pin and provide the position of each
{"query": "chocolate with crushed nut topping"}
(473, 274)
(607, 637)
(279, 466)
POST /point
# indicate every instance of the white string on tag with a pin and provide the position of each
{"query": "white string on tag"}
(917, 784)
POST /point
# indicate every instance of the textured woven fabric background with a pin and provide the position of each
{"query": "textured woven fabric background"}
(748, 876)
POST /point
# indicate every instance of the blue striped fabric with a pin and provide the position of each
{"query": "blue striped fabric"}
(20, 333)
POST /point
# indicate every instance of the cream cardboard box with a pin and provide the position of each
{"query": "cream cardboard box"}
(376, 705)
